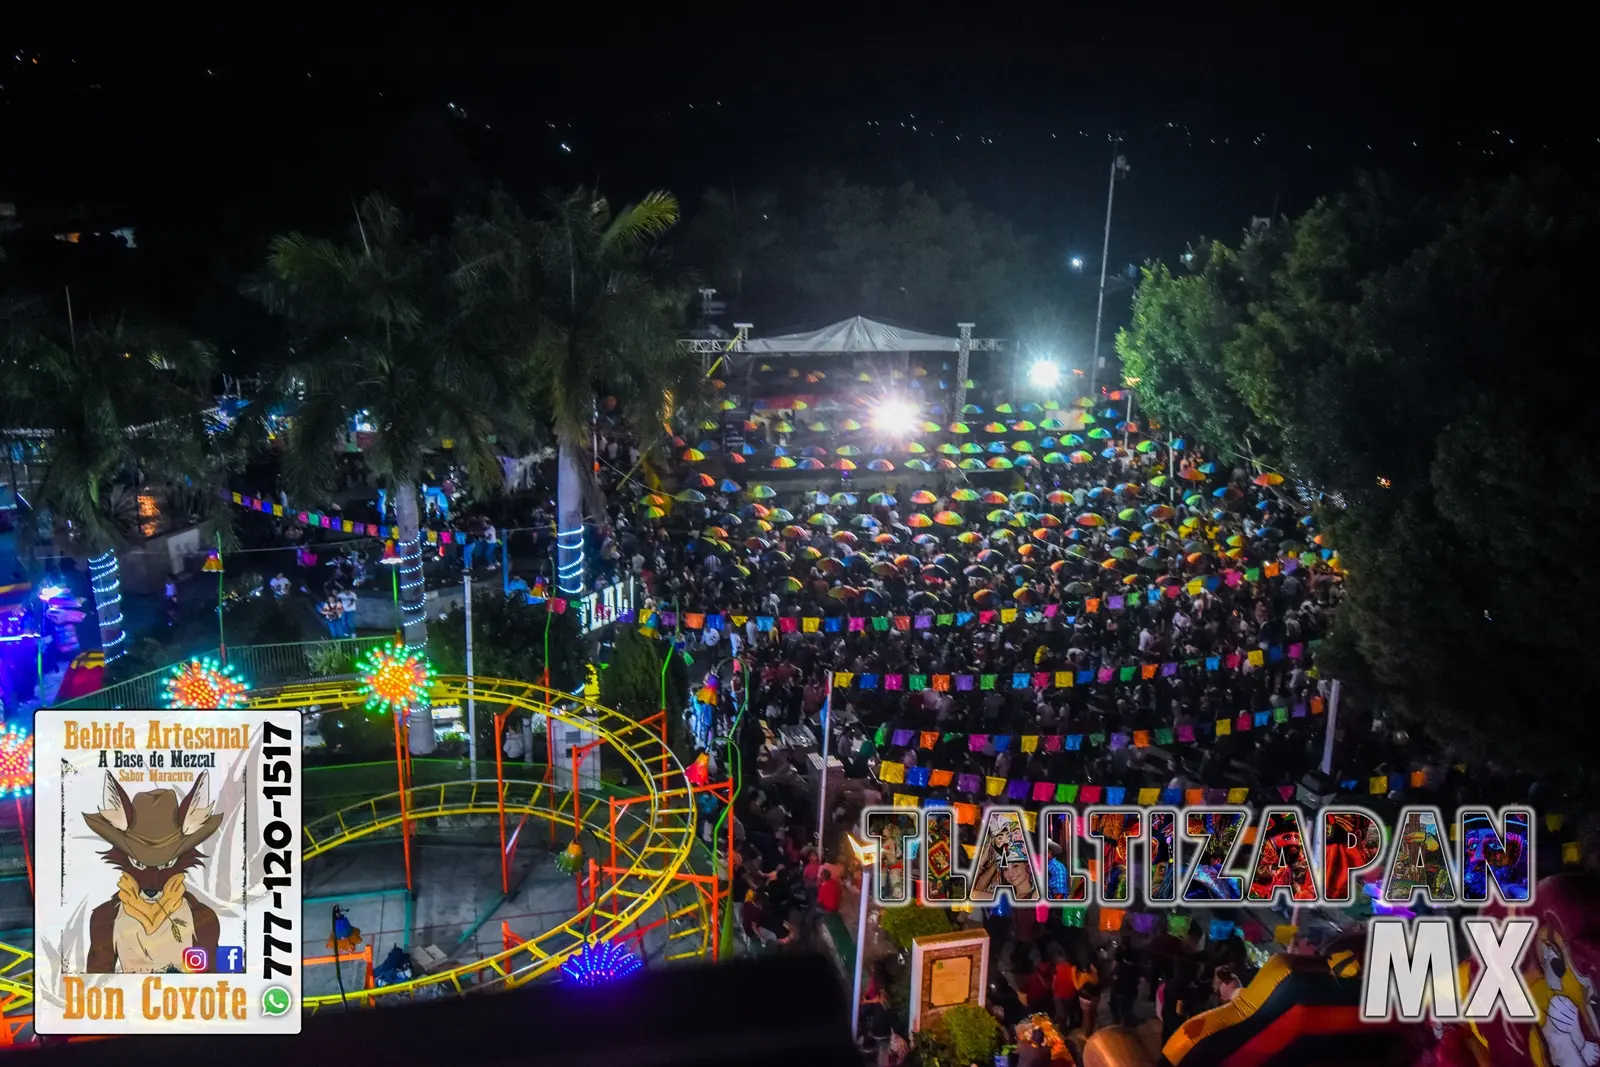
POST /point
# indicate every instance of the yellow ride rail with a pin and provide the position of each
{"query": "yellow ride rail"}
(651, 853)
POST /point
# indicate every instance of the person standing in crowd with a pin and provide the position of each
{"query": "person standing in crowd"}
(348, 604)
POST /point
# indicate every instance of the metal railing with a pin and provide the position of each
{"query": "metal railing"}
(261, 665)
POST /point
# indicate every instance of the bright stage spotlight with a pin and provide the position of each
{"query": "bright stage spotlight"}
(1044, 374)
(894, 419)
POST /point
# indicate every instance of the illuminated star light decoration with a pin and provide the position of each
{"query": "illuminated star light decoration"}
(600, 963)
(202, 682)
(16, 761)
(394, 678)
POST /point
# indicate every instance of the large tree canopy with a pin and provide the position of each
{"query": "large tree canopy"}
(829, 248)
(1420, 364)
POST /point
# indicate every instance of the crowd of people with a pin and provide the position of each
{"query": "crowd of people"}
(1174, 589)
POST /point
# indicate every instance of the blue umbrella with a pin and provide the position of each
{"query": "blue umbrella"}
(729, 486)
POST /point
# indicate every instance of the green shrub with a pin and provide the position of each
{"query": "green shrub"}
(958, 1036)
(904, 925)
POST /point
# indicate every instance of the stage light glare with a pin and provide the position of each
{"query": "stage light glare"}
(1044, 374)
(894, 419)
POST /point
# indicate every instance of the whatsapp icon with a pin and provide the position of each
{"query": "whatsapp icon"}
(275, 1001)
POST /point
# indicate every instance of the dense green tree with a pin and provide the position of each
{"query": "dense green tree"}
(829, 248)
(593, 309)
(375, 328)
(508, 641)
(114, 410)
(731, 238)
(904, 253)
(1421, 365)
(632, 681)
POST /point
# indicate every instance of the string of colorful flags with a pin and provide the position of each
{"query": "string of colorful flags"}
(334, 522)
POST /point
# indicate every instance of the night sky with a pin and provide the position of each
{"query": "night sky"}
(209, 141)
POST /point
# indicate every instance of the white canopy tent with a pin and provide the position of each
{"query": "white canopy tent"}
(854, 335)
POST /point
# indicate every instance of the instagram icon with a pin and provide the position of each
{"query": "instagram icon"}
(195, 960)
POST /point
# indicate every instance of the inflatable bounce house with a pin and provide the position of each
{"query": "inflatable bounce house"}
(1304, 1011)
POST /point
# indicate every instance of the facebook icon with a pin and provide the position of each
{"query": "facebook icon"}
(230, 959)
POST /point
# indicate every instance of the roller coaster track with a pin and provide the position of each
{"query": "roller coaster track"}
(653, 843)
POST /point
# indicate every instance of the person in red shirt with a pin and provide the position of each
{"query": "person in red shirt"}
(828, 891)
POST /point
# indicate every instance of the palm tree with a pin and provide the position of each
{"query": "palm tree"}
(594, 306)
(121, 412)
(375, 331)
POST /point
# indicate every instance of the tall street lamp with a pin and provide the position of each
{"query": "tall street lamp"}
(1119, 169)
(867, 854)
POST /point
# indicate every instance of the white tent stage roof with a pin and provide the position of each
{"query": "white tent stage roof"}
(854, 335)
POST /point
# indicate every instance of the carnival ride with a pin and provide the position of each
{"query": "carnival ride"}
(641, 878)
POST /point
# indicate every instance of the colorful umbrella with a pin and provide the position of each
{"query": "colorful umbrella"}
(970, 464)
(822, 518)
(1080, 457)
(920, 465)
(692, 455)
(782, 463)
(812, 464)
(882, 500)
(1268, 478)
(689, 496)
(880, 465)
(1054, 458)
(947, 518)
(964, 494)
(1089, 518)
(917, 520)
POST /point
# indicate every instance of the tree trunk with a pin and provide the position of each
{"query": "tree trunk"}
(570, 571)
(105, 581)
(413, 609)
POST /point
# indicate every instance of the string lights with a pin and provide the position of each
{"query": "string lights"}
(202, 682)
(394, 678)
(16, 761)
(105, 581)
(600, 963)
(413, 604)
(569, 553)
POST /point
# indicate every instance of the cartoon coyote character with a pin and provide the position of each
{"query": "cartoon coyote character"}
(154, 838)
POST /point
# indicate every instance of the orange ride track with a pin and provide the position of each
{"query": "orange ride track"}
(646, 839)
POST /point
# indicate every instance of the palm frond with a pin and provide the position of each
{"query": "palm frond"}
(637, 226)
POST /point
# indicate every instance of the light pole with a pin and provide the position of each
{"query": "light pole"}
(1119, 168)
(472, 703)
(867, 855)
(1127, 420)
(822, 777)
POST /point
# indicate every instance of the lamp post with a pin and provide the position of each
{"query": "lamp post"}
(1127, 419)
(822, 777)
(1119, 169)
(472, 703)
(867, 853)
